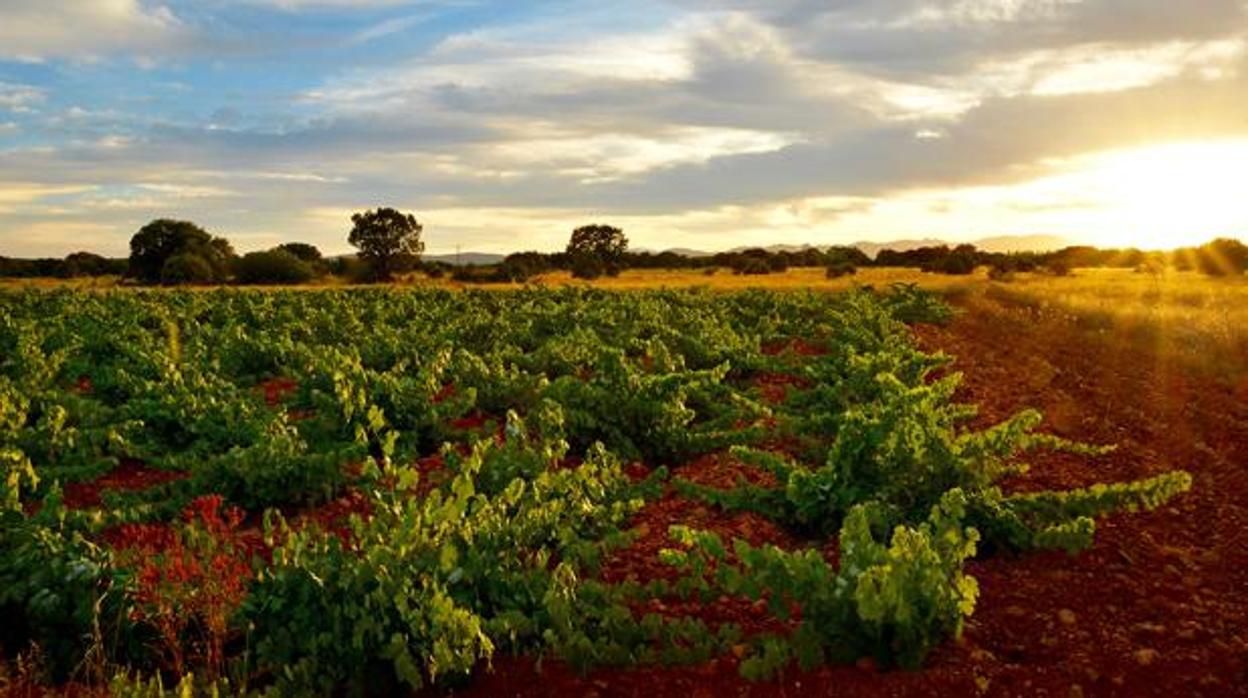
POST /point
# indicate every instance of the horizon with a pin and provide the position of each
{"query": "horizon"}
(708, 126)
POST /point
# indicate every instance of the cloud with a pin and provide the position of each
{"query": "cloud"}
(87, 28)
(297, 5)
(20, 98)
(389, 27)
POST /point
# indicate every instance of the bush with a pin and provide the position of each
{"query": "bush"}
(187, 268)
(1057, 267)
(839, 269)
(1001, 272)
(81, 264)
(588, 267)
(751, 266)
(1223, 257)
(303, 251)
(352, 269)
(272, 267)
(955, 264)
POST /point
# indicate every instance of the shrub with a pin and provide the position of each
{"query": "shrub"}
(588, 267)
(272, 267)
(1057, 267)
(303, 251)
(839, 269)
(187, 268)
(1000, 272)
(956, 264)
(1223, 257)
(751, 266)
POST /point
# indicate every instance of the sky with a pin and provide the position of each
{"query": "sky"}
(504, 124)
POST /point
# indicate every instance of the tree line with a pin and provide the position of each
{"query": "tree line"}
(389, 242)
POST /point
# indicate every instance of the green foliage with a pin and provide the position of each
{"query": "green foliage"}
(1066, 519)
(895, 600)
(430, 586)
(279, 470)
(910, 304)
(57, 588)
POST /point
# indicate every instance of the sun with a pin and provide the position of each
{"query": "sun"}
(1164, 196)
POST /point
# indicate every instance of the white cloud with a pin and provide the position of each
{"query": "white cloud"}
(81, 29)
(14, 196)
(20, 98)
(297, 5)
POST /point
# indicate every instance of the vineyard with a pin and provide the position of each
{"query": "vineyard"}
(384, 490)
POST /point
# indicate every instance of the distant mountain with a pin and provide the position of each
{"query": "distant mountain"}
(466, 258)
(871, 249)
(1004, 243)
(1023, 243)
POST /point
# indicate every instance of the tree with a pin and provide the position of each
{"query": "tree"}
(276, 266)
(597, 249)
(388, 241)
(302, 251)
(159, 241)
(90, 264)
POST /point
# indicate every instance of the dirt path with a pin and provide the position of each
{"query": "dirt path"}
(1158, 607)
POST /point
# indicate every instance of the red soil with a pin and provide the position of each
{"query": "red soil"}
(276, 390)
(129, 476)
(472, 422)
(800, 347)
(1156, 607)
(334, 516)
(446, 393)
(775, 386)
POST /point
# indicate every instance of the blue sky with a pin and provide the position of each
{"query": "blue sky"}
(710, 124)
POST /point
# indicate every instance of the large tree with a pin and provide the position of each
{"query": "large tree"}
(597, 249)
(388, 241)
(163, 239)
